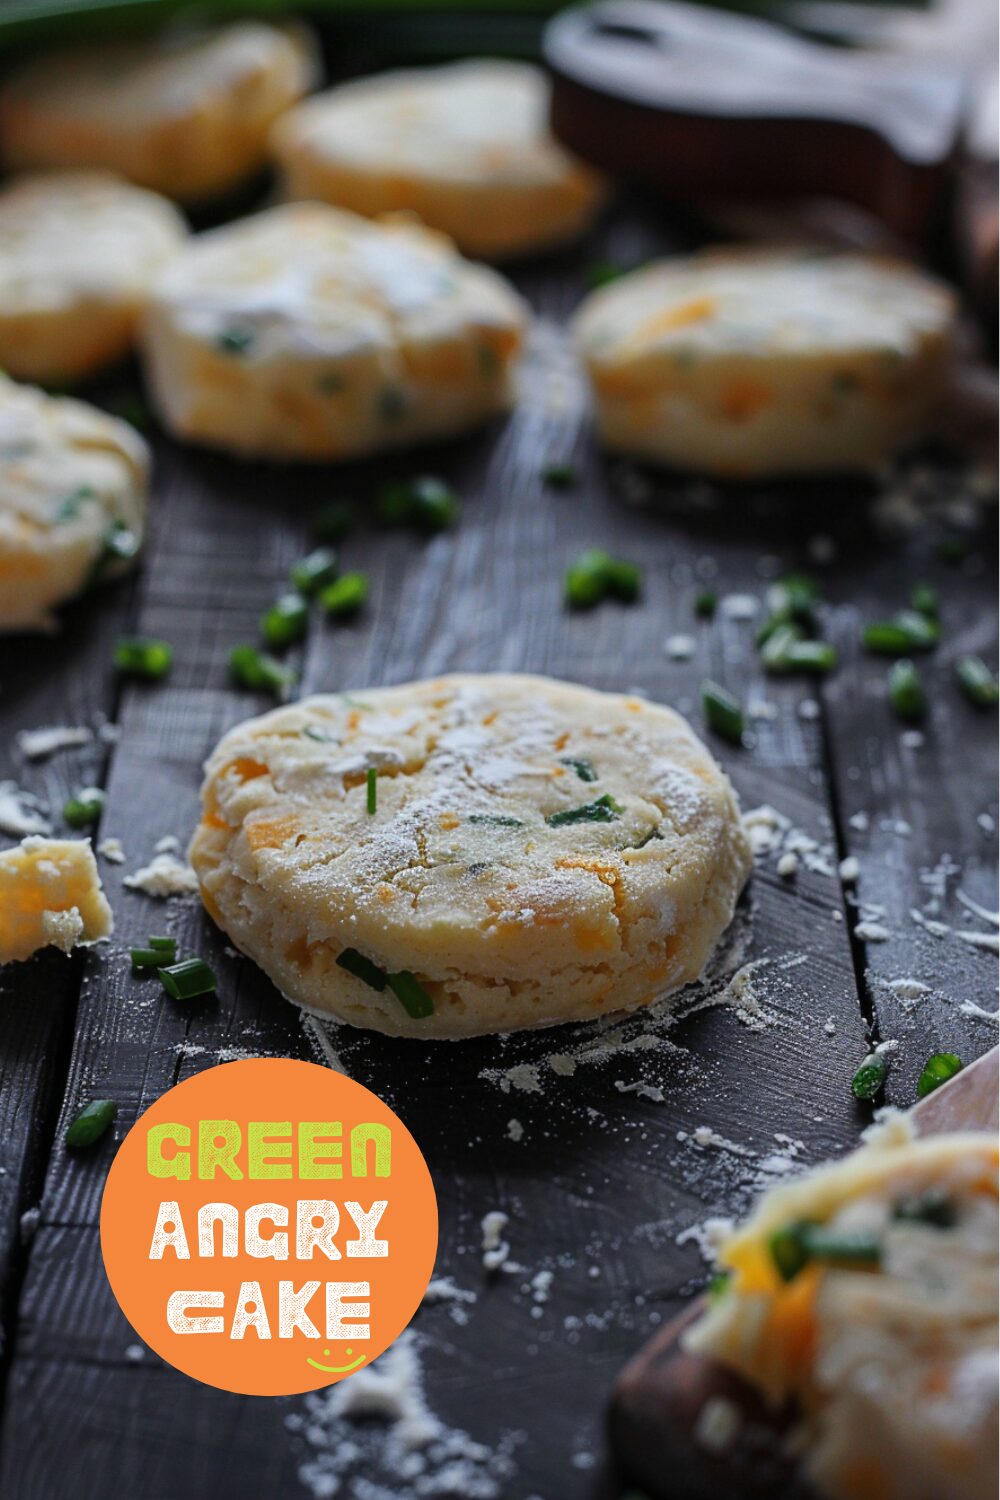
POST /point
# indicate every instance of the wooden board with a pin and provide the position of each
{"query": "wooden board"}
(611, 1168)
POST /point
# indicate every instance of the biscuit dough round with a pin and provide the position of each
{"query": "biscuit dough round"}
(891, 1362)
(72, 479)
(78, 251)
(466, 147)
(186, 112)
(306, 332)
(477, 873)
(746, 364)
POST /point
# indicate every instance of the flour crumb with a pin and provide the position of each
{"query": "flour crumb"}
(718, 1424)
(163, 877)
(515, 1130)
(788, 865)
(37, 744)
(495, 1247)
(849, 870)
(21, 814)
(111, 849)
(679, 647)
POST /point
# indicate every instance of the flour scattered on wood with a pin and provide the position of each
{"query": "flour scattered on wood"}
(21, 813)
(772, 834)
(375, 1437)
(37, 744)
(165, 876)
(112, 850)
(495, 1248)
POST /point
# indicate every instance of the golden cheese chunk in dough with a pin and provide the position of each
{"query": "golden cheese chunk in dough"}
(50, 893)
(746, 363)
(539, 852)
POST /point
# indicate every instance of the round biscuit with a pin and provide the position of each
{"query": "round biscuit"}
(539, 852)
(466, 147)
(747, 364)
(70, 476)
(309, 333)
(78, 251)
(186, 112)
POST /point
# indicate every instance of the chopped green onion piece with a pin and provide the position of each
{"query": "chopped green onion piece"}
(314, 571)
(165, 944)
(798, 1243)
(260, 673)
(788, 1250)
(718, 1286)
(394, 504)
(559, 476)
(435, 504)
(362, 968)
(936, 1071)
(371, 780)
(812, 656)
(705, 604)
(152, 958)
(346, 595)
(85, 808)
(624, 580)
(583, 768)
(118, 545)
(285, 622)
(235, 340)
(139, 657)
(69, 508)
(315, 732)
(722, 712)
(187, 980)
(491, 820)
(954, 549)
(602, 273)
(870, 1076)
(587, 579)
(933, 1207)
(603, 810)
(334, 521)
(130, 407)
(924, 600)
(775, 650)
(906, 691)
(906, 631)
(794, 598)
(91, 1123)
(411, 995)
(977, 681)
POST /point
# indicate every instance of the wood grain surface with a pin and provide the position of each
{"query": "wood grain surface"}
(611, 1168)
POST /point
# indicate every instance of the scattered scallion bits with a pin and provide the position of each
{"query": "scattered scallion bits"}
(371, 780)
(933, 1207)
(285, 622)
(936, 1071)
(411, 995)
(723, 713)
(91, 1123)
(907, 631)
(346, 595)
(85, 808)
(493, 820)
(924, 600)
(794, 1245)
(794, 597)
(602, 810)
(559, 475)
(906, 691)
(870, 1076)
(333, 522)
(118, 545)
(705, 604)
(427, 503)
(165, 944)
(812, 656)
(977, 681)
(259, 672)
(235, 340)
(595, 575)
(362, 968)
(777, 646)
(139, 656)
(315, 571)
(583, 768)
(788, 1250)
(188, 980)
(149, 958)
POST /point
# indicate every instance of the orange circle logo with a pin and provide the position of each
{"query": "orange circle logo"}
(269, 1227)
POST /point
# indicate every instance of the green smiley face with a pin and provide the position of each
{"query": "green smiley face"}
(337, 1369)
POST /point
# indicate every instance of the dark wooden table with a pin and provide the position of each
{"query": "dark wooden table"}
(611, 1168)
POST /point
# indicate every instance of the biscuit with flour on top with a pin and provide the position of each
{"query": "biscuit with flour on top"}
(470, 854)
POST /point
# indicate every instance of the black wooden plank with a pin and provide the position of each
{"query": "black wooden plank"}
(604, 1178)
